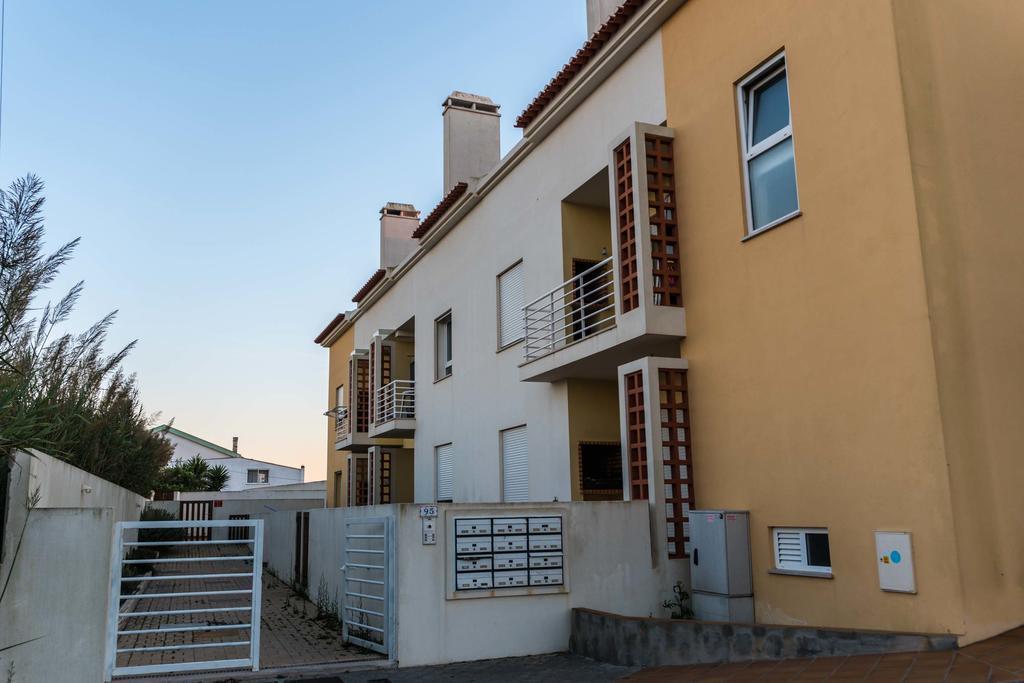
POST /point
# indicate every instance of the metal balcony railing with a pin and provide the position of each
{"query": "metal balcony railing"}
(342, 426)
(574, 310)
(396, 401)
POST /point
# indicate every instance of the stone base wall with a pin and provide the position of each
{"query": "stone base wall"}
(633, 641)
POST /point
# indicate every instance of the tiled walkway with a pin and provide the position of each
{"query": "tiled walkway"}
(996, 659)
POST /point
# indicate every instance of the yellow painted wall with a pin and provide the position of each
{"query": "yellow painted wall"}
(593, 416)
(963, 69)
(337, 373)
(586, 234)
(812, 381)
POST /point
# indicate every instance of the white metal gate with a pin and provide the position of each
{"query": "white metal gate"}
(181, 604)
(368, 607)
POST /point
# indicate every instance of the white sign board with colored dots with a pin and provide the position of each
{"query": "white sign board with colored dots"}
(895, 559)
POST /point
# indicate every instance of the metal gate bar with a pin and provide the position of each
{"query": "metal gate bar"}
(368, 601)
(118, 612)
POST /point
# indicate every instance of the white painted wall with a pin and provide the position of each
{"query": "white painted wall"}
(484, 394)
(59, 579)
(609, 567)
(237, 466)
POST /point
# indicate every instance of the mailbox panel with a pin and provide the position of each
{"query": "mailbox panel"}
(510, 526)
(546, 577)
(473, 545)
(508, 552)
(506, 579)
(510, 561)
(505, 544)
(472, 527)
(551, 542)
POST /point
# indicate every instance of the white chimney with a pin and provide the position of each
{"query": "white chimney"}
(471, 138)
(397, 223)
(598, 12)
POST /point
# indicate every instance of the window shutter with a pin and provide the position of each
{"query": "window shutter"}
(445, 472)
(515, 469)
(789, 549)
(510, 305)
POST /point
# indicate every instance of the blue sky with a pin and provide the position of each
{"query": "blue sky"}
(224, 162)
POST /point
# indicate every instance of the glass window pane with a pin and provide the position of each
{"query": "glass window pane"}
(773, 184)
(817, 550)
(771, 108)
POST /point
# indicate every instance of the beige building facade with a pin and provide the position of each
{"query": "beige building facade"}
(793, 219)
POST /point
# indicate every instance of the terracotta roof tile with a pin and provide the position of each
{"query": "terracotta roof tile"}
(590, 48)
(440, 210)
(370, 284)
(338, 319)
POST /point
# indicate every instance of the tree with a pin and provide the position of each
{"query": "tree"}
(194, 474)
(61, 392)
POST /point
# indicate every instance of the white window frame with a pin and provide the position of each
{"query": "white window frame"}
(442, 364)
(437, 469)
(745, 107)
(502, 345)
(501, 461)
(249, 476)
(800, 565)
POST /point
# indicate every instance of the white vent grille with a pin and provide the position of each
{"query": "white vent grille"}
(515, 466)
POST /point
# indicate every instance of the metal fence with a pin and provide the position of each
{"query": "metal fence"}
(396, 401)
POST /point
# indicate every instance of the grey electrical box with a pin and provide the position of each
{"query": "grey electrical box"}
(720, 571)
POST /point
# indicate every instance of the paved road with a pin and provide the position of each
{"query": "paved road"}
(556, 668)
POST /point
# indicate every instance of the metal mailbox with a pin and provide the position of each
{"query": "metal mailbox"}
(511, 561)
(545, 560)
(545, 525)
(548, 542)
(508, 552)
(475, 564)
(545, 577)
(472, 527)
(473, 545)
(506, 579)
(508, 544)
(474, 580)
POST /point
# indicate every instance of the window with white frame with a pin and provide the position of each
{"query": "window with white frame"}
(258, 477)
(445, 456)
(515, 465)
(802, 550)
(511, 326)
(339, 396)
(443, 346)
(766, 129)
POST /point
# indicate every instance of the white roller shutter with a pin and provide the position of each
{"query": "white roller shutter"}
(445, 472)
(515, 466)
(510, 305)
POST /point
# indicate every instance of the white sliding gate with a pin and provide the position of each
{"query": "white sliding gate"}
(368, 606)
(180, 604)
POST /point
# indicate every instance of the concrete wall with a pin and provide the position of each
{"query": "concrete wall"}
(237, 466)
(961, 66)
(812, 378)
(614, 573)
(256, 504)
(630, 641)
(58, 586)
(484, 394)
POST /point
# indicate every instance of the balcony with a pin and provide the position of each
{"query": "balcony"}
(578, 330)
(395, 410)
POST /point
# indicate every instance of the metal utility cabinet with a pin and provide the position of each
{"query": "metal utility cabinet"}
(720, 572)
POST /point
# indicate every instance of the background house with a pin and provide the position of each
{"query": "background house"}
(246, 473)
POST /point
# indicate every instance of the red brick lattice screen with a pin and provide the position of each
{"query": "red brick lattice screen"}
(661, 194)
(676, 458)
(628, 279)
(385, 477)
(636, 435)
(362, 393)
(360, 481)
